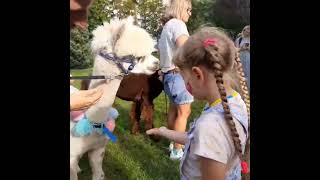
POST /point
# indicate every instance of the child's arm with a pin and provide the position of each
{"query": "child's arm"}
(84, 99)
(211, 169)
(178, 137)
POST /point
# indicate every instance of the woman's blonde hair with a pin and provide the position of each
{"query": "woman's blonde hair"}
(176, 9)
(246, 27)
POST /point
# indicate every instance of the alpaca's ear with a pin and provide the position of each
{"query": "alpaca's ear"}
(133, 40)
(127, 22)
(130, 20)
(166, 3)
(119, 33)
(100, 37)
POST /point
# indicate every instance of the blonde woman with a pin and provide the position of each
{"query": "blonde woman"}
(243, 43)
(173, 35)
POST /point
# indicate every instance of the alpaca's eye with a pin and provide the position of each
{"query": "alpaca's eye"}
(155, 53)
(140, 59)
(130, 67)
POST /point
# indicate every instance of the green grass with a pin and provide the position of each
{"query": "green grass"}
(79, 72)
(136, 157)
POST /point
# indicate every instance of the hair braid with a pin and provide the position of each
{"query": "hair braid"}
(243, 83)
(246, 96)
(217, 69)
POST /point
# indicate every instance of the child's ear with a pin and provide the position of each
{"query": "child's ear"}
(197, 72)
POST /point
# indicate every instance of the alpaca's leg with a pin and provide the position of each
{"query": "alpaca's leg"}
(135, 117)
(95, 159)
(148, 110)
(74, 168)
(148, 116)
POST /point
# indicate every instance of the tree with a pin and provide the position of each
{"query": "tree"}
(229, 15)
(149, 14)
(202, 14)
(232, 14)
(80, 54)
(101, 11)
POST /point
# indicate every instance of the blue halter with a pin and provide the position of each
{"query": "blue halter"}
(113, 57)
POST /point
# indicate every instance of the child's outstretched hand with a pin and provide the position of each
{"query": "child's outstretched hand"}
(156, 131)
(84, 99)
(179, 137)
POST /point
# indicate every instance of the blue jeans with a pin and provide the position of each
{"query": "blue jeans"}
(245, 60)
(175, 88)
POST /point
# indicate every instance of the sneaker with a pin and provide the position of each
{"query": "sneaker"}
(176, 154)
(171, 146)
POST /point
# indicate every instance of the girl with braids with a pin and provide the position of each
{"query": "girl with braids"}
(216, 140)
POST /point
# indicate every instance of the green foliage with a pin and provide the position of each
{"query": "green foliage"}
(151, 12)
(148, 13)
(124, 9)
(101, 11)
(229, 15)
(80, 54)
(232, 14)
(202, 15)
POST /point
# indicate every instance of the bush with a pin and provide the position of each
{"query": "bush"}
(151, 12)
(80, 54)
(202, 15)
(229, 15)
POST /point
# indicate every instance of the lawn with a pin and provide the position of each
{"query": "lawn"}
(136, 157)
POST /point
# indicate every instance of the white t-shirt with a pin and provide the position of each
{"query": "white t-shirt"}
(210, 137)
(244, 40)
(167, 42)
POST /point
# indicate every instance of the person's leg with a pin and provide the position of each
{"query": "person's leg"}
(172, 114)
(248, 70)
(180, 123)
(179, 109)
(245, 60)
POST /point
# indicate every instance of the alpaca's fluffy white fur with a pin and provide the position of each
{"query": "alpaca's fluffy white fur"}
(103, 35)
(127, 44)
(133, 40)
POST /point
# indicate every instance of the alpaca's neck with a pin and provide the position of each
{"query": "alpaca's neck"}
(98, 112)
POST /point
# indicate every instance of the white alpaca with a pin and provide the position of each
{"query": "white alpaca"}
(123, 39)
